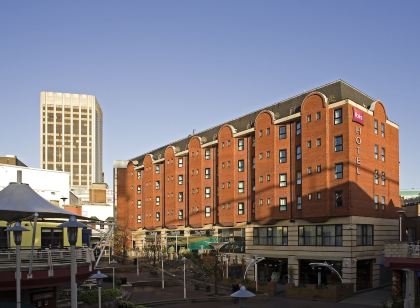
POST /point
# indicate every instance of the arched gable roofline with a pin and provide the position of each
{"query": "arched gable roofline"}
(322, 95)
(375, 104)
(193, 138)
(232, 129)
(269, 112)
(170, 147)
(148, 156)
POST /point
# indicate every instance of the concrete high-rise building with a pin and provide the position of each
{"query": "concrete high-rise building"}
(71, 136)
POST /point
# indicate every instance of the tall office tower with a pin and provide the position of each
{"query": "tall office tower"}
(71, 136)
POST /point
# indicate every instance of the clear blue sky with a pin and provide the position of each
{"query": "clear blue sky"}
(194, 64)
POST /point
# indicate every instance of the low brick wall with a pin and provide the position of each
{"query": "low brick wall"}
(332, 293)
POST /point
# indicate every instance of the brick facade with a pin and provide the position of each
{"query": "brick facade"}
(309, 159)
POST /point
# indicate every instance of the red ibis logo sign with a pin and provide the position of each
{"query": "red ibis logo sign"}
(357, 116)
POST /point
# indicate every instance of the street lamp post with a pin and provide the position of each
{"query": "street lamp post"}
(401, 213)
(137, 263)
(113, 263)
(17, 234)
(163, 275)
(185, 286)
(72, 229)
(99, 277)
(216, 247)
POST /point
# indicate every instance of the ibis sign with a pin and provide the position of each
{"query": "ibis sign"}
(357, 116)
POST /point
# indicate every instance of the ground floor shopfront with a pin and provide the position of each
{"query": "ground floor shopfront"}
(352, 246)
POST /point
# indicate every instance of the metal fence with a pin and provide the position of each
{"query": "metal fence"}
(45, 258)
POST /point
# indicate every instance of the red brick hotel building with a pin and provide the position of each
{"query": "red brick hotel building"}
(312, 178)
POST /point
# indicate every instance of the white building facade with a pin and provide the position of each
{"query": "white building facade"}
(53, 186)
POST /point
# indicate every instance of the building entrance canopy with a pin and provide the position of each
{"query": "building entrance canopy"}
(19, 201)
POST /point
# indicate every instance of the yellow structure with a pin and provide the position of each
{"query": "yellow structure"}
(27, 236)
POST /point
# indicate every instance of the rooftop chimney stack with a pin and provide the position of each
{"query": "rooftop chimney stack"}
(19, 176)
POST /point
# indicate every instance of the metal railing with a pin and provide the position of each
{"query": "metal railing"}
(46, 258)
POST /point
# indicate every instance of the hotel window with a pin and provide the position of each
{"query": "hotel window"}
(283, 180)
(180, 162)
(138, 204)
(260, 156)
(228, 143)
(268, 178)
(207, 211)
(269, 236)
(375, 151)
(268, 201)
(241, 185)
(139, 173)
(267, 131)
(383, 178)
(282, 156)
(282, 132)
(223, 144)
(338, 116)
(298, 177)
(223, 165)
(298, 152)
(260, 133)
(180, 196)
(309, 143)
(318, 142)
(240, 144)
(260, 202)
(299, 202)
(321, 235)
(308, 118)
(180, 179)
(241, 208)
(283, 204)
(309, 170)
(261, 179)
(157, 169)
(207, 154)
(207, 173)
(228, 184)
(138, 219)
(267, 154)
(309, 197)
(376, 201)
(375, 126)
(383, 154)
(318, 115)
(157, 185)
(382, 129)
(364, 235)
(318, 168)
(157, 200)
(339, 198)
(157, 216)
(228, 163)
(180, 214)
(318, 195)
(339, 171)
(376, 177)
(298, 128)
(382, 202)
(139, 189)
(338, 143)
(207, 192)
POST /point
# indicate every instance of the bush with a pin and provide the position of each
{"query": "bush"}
(125, 304)
(91, 296)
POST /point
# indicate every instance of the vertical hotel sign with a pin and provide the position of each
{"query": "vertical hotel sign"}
(358, 118)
